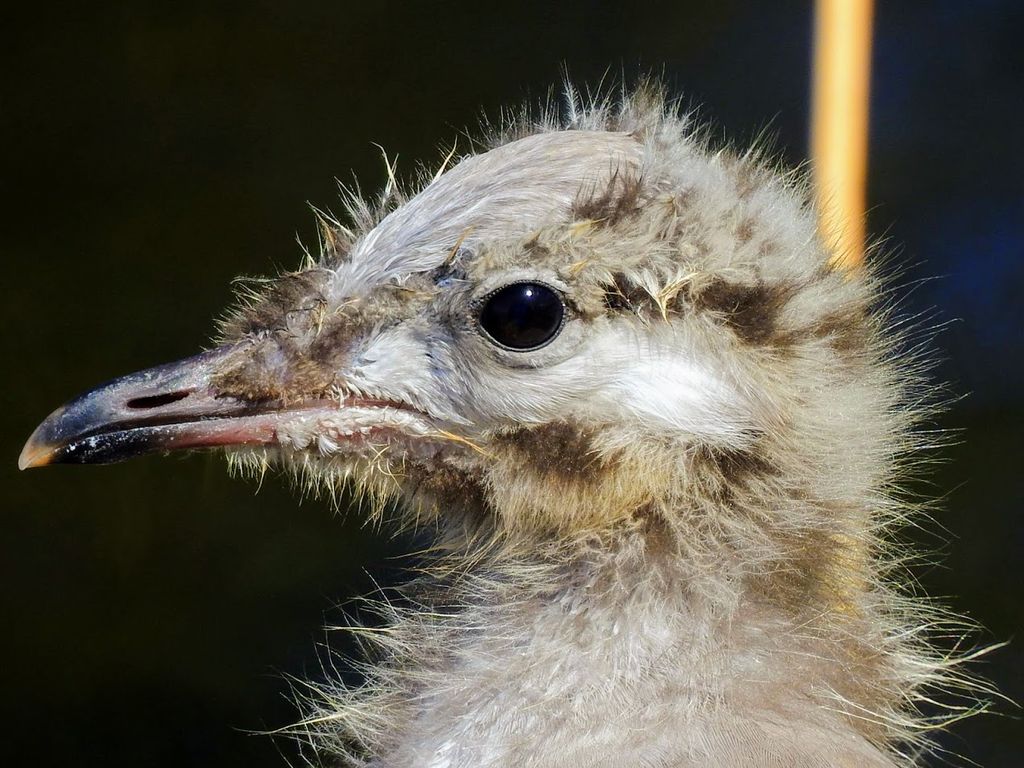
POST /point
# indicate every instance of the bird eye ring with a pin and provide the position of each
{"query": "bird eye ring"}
(522, 316)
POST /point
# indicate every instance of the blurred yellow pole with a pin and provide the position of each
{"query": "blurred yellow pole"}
(839, 128)
(839, 154)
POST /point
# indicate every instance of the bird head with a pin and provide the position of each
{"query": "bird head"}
(590, 324)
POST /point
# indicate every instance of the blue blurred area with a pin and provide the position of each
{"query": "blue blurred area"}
(948, 177)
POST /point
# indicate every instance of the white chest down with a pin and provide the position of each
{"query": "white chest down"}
(625, 678)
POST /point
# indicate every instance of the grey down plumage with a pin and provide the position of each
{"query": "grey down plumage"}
(665, 536)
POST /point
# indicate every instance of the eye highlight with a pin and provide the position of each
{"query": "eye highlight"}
(522, 316)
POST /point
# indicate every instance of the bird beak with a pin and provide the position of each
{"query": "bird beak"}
(169, 407)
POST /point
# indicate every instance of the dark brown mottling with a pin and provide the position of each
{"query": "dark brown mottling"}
(725, 473)
(623, 296)
(745, 231)
(618, 201)
(739, 466)
(750, 310)
(451, 490)
(559, 449)
(846, 329)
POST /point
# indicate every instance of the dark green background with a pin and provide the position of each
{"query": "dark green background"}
(151, 152)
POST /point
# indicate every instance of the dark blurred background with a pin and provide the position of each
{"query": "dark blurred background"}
(151, 152)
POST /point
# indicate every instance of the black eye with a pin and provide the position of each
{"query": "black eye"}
(522, 316)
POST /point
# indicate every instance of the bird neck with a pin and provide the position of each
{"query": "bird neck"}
(613, 656)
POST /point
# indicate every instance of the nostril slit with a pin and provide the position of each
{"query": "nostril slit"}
(157, 401)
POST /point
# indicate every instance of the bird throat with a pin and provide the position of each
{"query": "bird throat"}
(552, 649)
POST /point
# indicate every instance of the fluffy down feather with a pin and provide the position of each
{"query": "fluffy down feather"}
(664, 539)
